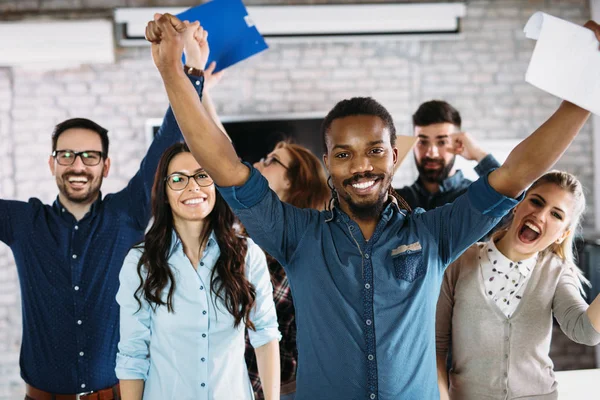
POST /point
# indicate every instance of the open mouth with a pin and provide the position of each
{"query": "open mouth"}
(529, 232)
(365, 186)
(77, 182)
(195, 201)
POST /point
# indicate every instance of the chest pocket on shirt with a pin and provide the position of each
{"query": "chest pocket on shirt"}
(409, 266)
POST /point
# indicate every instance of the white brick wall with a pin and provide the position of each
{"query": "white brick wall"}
(481, 75)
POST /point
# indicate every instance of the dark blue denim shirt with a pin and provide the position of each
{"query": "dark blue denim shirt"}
(417, 196)
(365, 310)
(69, 275)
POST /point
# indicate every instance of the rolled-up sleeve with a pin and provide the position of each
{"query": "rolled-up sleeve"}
(276, 226)
(570, 309)
(133, 357)
(457, 225)
(264, 315)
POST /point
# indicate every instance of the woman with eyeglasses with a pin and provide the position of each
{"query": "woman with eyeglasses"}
(298, 178)
(188, 293)
(497, 300)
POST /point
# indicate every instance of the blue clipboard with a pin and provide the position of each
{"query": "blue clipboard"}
(232, 36)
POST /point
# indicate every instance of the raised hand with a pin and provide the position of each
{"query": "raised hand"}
(465, 146)
(196, 46)
(166, 33)
(595, 27)
(211, 78)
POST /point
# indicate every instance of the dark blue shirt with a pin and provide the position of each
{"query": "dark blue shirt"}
(69, 275)
(365, 310)
(417, 196)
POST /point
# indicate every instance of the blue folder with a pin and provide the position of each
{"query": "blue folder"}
(231, 35)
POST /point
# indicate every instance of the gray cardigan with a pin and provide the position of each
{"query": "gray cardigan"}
(495, 357)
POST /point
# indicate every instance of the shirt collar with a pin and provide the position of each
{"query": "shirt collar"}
(63, 211)
(524, 266)
(391, 207)
(449, 184)
(177, 245)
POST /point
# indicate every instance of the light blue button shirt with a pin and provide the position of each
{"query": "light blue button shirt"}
(195, 352)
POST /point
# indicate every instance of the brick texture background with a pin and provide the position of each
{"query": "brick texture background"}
(482, 74)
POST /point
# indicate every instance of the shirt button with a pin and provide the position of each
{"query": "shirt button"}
(83, 385)
(367, 256)
(76, 227)
(368, 322)
(367, 286)
(79, 322)
(203, 359)
(197, 83)
(370, 357)
(203, 312)
(81, 353)
(201, 264)
(505, 391)
(74, 256)
(505, 356)
(204, 335)
(506, 338)
(351, 228)
(76, 288)
(202, 384)
(372, 396)
(201, 287)
(506, 375)
(63, 210)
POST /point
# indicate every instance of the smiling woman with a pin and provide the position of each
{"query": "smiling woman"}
(193, 283)
(511, 287)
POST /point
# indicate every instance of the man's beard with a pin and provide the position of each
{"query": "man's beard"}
(438, 175)
(369, 210)
(80, 197)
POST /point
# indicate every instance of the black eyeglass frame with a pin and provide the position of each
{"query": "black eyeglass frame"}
(266, 161)
(57, 153)
(187, 177)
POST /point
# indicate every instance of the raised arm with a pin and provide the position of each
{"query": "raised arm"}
(578, 321)
(196, 51)
(210, 147)
(211, 79)
(540, 151)
(137, 193)
(464, 145)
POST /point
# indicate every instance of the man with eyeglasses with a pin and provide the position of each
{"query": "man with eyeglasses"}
(69, 255)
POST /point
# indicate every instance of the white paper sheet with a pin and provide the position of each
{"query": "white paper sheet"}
(565, 61)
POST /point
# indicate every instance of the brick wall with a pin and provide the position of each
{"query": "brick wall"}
(481, 74)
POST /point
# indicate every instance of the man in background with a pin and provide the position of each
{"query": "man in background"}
(438, 127)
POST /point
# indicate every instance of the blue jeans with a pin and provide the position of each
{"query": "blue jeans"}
(289, 396)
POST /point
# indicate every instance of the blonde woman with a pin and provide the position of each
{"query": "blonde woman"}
(497, 300)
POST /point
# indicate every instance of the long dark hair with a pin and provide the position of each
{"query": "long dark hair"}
(228, 280)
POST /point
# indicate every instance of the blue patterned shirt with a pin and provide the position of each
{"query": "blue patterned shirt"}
(365, 310)
(69, 275)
